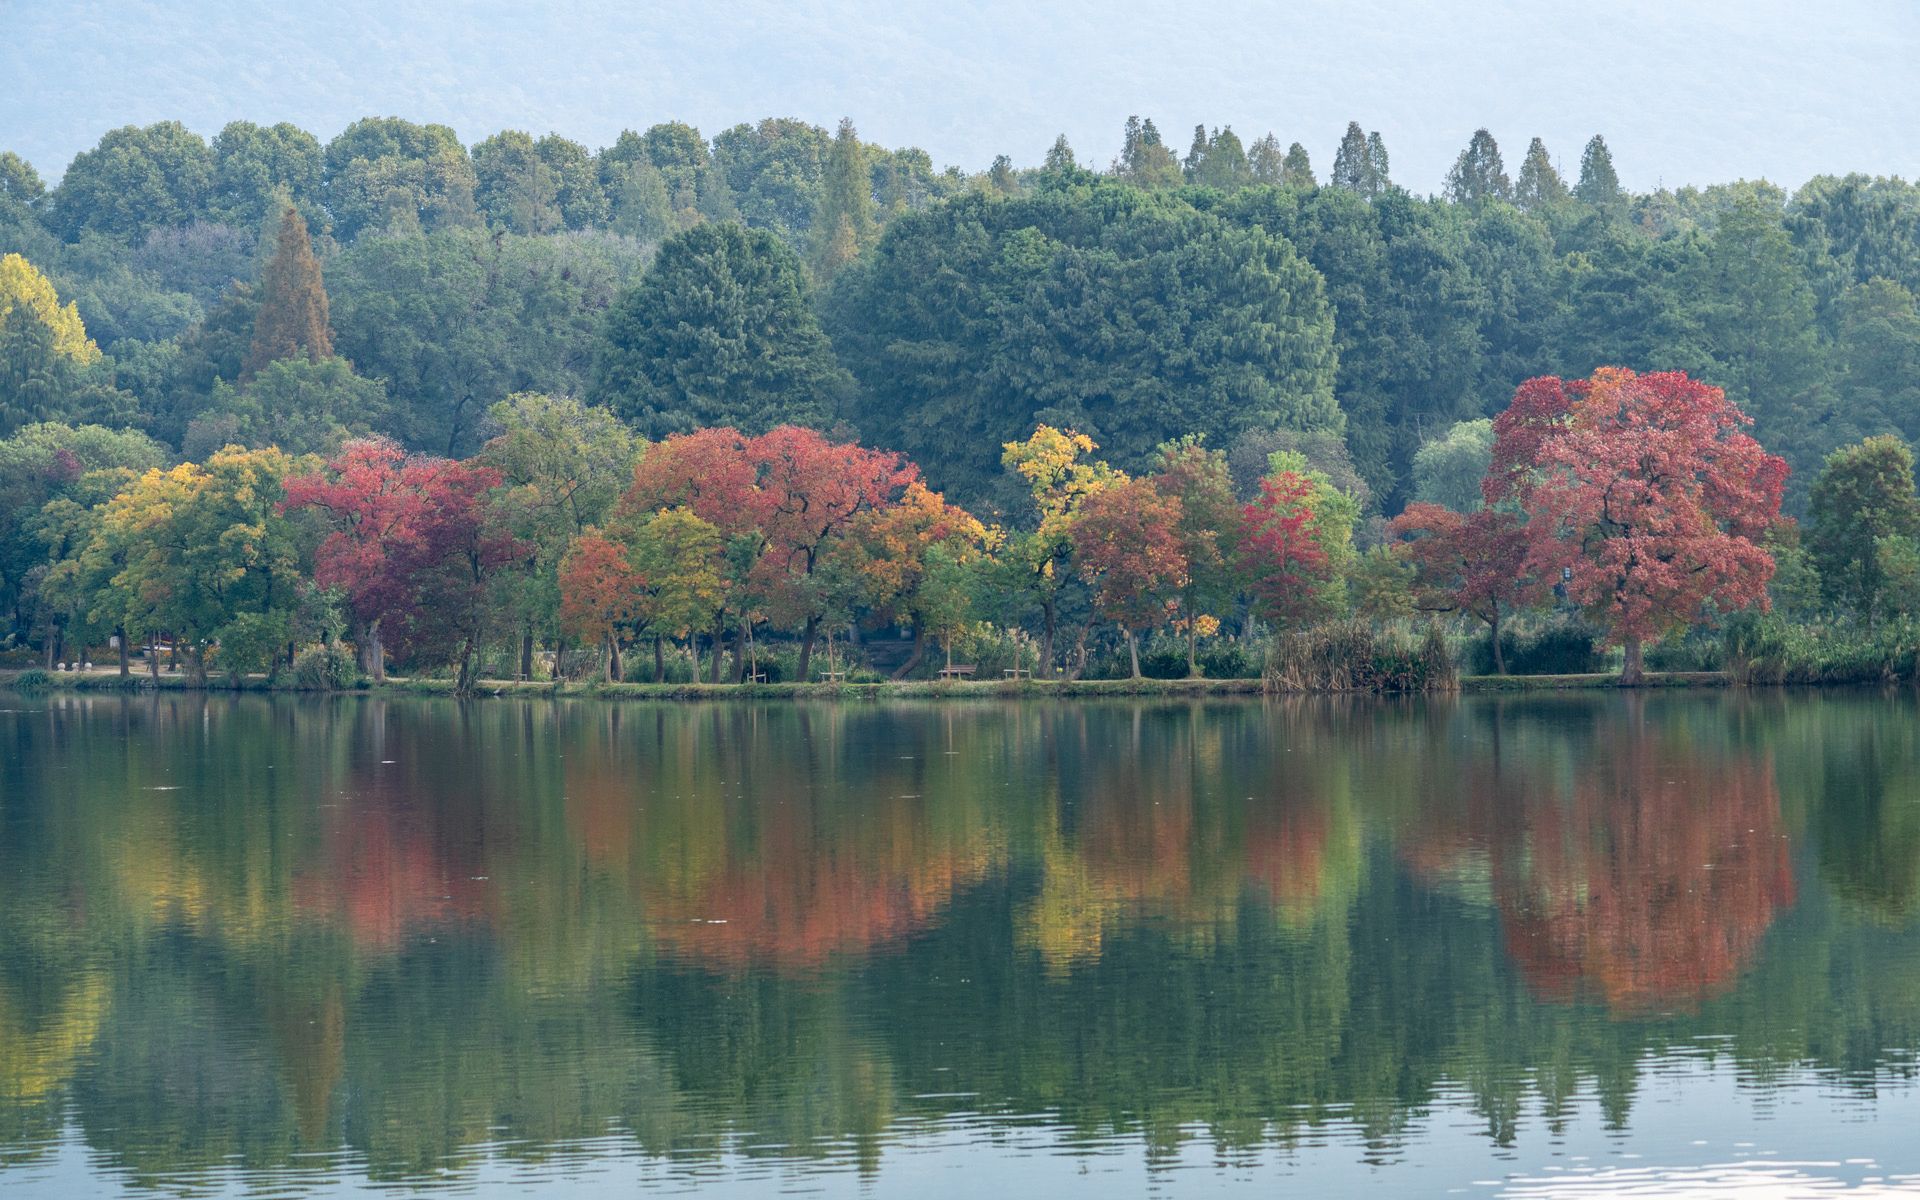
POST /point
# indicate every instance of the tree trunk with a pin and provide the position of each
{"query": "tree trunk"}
(1193, 644)
(919, 652)
(372, 655)
(1499, 657)
(806, 647)
(1133, 652)
(560, 661)
(53, 644)
(463, 683)
(739, 651)
(1049, 619)
(526, 655)
(153, 657)
(120, 640)
(659, 659)
(613, 660)
(196, 664)
(1633, 669)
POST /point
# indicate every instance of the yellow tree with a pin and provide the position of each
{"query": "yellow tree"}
(22, 286)
(1059, 477)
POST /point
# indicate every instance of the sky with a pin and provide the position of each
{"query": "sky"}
(1685, 91)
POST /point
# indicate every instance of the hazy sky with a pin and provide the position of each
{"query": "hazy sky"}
(1684, 90)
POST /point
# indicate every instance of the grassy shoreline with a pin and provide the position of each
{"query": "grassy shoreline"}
(910, 689)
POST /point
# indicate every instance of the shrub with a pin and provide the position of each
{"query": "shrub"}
(33, 680)
(328, 668)
(1355, 657)
(1768, 648)
(1556, 645)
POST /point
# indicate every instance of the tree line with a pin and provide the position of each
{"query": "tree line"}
(267, 291)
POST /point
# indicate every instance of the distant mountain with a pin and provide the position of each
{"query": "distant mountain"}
(1685, 92)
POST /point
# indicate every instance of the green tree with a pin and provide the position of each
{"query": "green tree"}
(1478, 175)
(578, 191)
(1757, 320)
(1296, 172)
(258, 170)
(1599, 185)
(720, 332)
(562, 465)
(1407, 314)
(1447, 470)
(843, 225)
(457, 321)
(514, 187)
(1145, 160)
(1353, 165)
(1863, 496)
(1879, 355)
(1223, 163)
(1266, 162)
(774, 169)
(136, 179)
(1124, 314)
(291, 321)
(301, 405)
(1539, 184)
(387, 175)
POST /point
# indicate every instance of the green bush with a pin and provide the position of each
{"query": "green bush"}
(1768, 648)
(1555, 645)
(328, 668)
(1356, 657)
(33, 680)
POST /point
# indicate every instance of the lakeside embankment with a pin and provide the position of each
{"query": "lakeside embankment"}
(905, 689)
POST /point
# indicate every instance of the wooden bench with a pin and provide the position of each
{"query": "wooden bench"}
(833, 676)
(1016, 673)
(757, 677)
(965, 672)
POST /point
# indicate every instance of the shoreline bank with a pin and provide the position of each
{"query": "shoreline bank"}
(906, 689)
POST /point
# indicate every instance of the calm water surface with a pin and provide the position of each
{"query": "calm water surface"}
(1557, 947)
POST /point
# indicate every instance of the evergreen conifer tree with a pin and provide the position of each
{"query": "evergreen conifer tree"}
(1144, 160)
(843, 225)
(1598, 185)
(1297, 171)
(1265, 162)
(1478, 175)
(1539, 185)
(1196, 153)
(1060, 157)
(1000, 176)
(292, 320)
(1352, 169)
(1382, 178)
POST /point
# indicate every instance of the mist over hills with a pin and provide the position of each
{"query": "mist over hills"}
(1685, 92)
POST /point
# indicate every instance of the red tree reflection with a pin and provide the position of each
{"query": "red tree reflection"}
(1646, 872)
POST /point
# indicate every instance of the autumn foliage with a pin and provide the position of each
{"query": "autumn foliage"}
(1645, 492)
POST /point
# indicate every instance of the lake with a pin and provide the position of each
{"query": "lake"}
(1570, 945)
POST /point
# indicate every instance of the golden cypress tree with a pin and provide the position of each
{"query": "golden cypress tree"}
(292, 321)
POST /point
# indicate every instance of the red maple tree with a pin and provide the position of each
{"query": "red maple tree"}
(1646, 491)
(1280, 553)
(1126, 539)
(413, 545)
(1477, 563)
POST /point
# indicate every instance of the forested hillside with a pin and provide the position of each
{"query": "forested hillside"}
(270, 290)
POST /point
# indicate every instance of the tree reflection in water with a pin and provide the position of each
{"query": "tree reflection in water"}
(241, 930)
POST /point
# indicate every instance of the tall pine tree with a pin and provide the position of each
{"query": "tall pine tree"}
(1297, 171)
(843, 225)
(1265, 162)
(1478, 175)
(1539, 184)
(1352, 165)
(1598, 185)
(1145, 161)
(292, 320)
